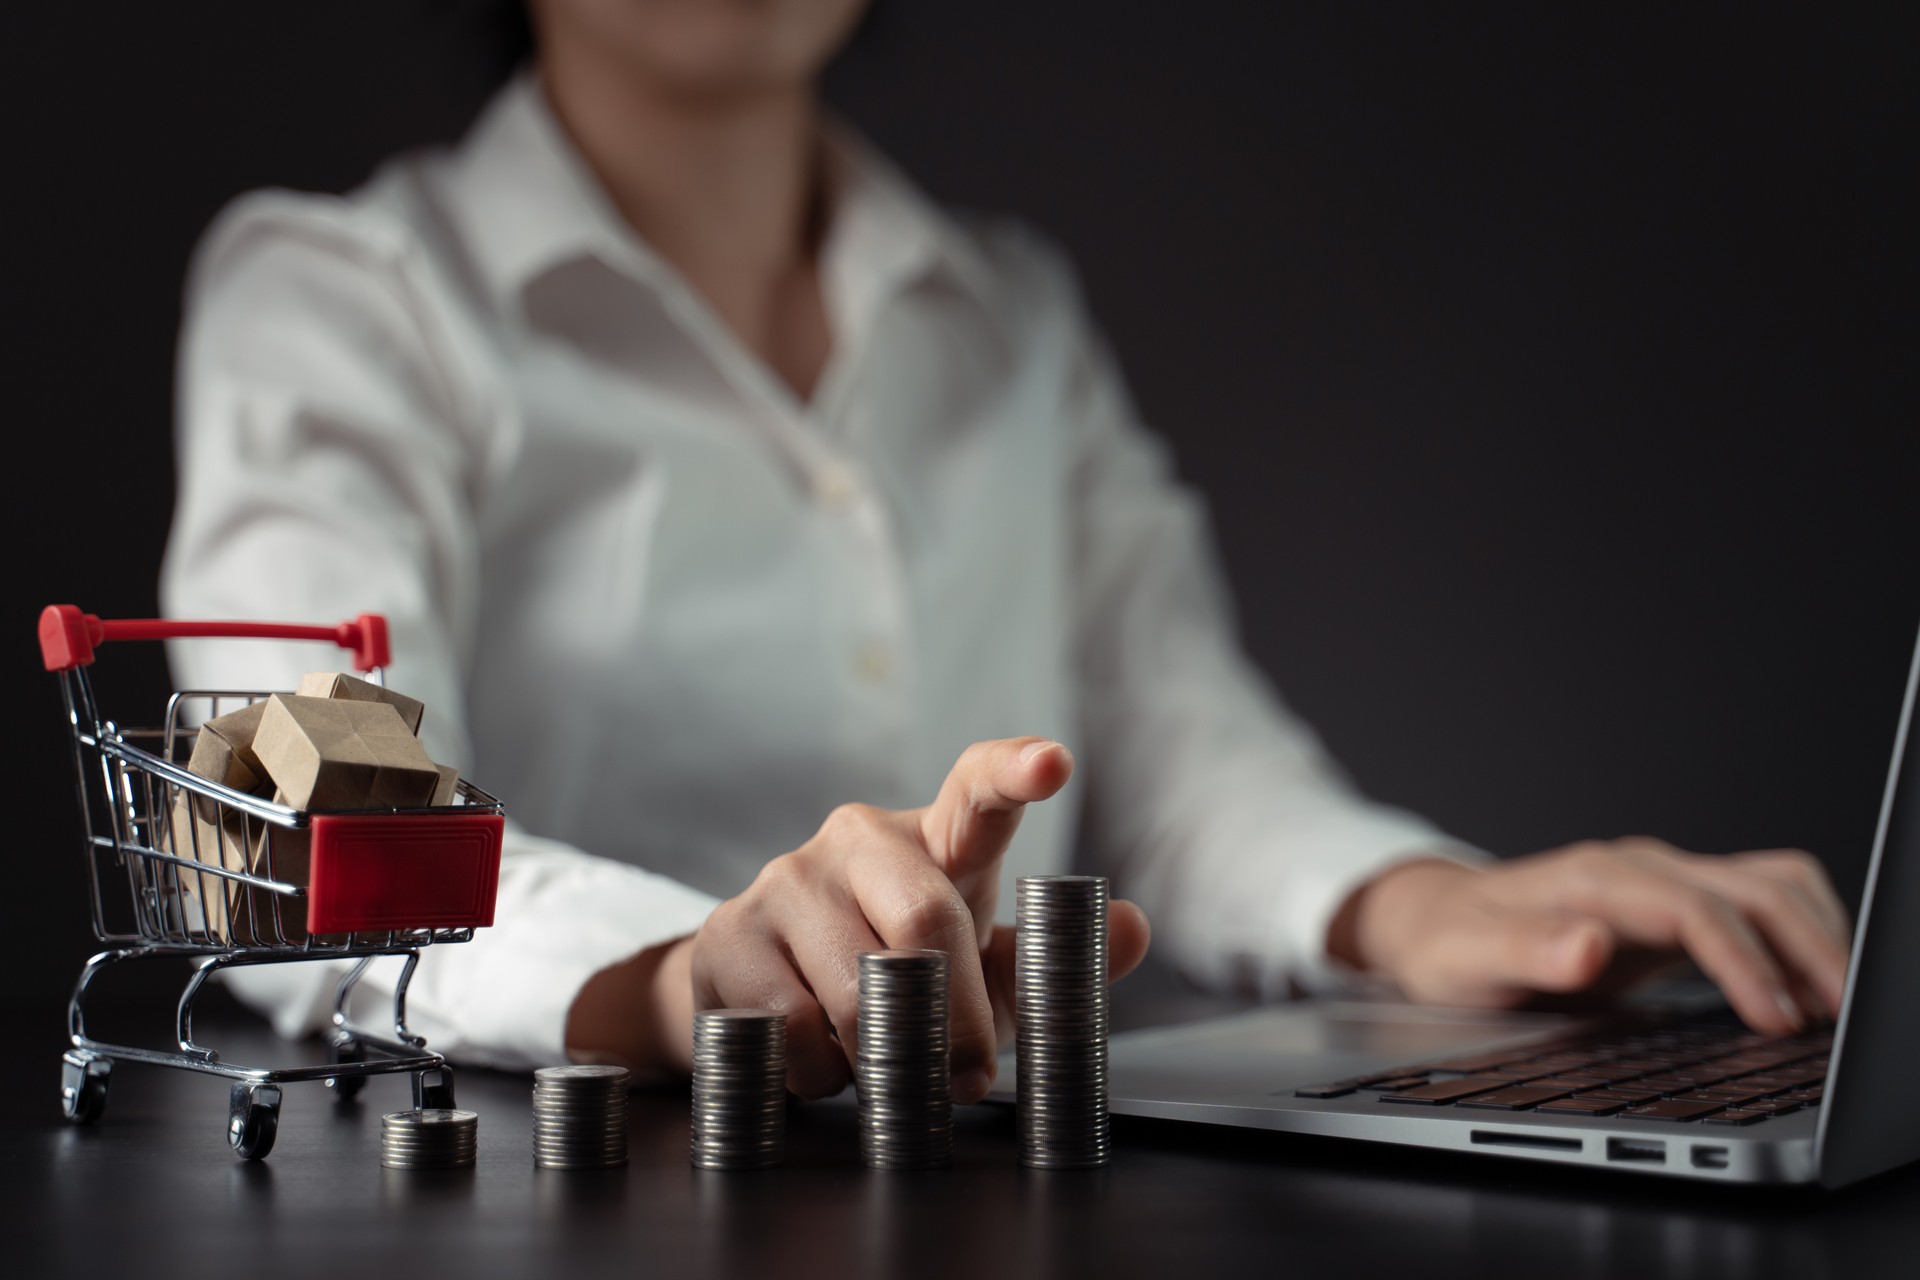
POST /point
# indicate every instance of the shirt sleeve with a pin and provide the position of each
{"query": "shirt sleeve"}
(331, 454)
(1209, 802)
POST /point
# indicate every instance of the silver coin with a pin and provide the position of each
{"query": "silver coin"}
(574, 1074)
(902, 1060)
(580, 1116)
(739, 1089)
(432, 1138)
(1060, 1011)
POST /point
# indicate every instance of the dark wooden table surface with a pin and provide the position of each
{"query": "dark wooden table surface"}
(153, 1190)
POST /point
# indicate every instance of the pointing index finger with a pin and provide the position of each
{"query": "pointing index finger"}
(970, 824)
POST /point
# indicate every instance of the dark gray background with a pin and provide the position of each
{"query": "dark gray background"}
(1550, 370)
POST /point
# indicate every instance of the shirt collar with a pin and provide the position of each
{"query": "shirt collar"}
(530, 203)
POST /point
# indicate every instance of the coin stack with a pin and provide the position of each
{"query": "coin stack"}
(1060, 1020)
(429, 1139)
(580, 1117)
(901, 1070)
(739, 1088)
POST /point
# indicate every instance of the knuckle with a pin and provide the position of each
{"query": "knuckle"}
(1648, 848)
(1699, 906)
(847, 819)
(933, 915)
(1594, 855)
(1775, 896)
(1808, 869)
(1589, 867)
(722, 922)
(779, 877)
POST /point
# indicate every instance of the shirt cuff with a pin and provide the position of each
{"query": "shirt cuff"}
(1323, 888)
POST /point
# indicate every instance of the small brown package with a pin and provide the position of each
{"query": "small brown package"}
(223, 753)
(449, 784)
(338, 684)
(222, 903)
(334, 754)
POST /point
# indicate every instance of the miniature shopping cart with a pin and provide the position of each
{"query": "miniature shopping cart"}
(179, 865)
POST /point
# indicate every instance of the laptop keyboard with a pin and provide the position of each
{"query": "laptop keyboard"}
(1707, 1068)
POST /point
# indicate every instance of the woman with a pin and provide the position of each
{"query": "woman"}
(715, 484)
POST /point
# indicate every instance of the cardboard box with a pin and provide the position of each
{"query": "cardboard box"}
(221, 905)
(339, 744)
(330, 754)
(340, 685)
(223, 753)
(291, 859)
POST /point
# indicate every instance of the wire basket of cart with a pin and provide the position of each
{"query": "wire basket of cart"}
(179, 865)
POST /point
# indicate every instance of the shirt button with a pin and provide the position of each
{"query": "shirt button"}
(874, 663)
(836, 487)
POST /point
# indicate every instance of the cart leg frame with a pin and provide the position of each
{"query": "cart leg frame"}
(256, 1095)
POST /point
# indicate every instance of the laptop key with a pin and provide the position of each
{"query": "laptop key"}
(1673, 1109)
(1584, 1105)
(1472, 1063)
(1325, 1091)
(1613, 1073)
(1721, 1096)
(1393, 1084)
(1518, 1098)
(1622, 1093)
(1737, 1115)
(1441, 1092)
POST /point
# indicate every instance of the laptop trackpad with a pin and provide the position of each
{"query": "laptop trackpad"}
(1310, 1043)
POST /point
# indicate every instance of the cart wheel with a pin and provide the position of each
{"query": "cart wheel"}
(433, 1088)
(346, 1049)
(83, 1087)
(253, 1119)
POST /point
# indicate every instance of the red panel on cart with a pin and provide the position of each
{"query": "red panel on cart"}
(373, 872)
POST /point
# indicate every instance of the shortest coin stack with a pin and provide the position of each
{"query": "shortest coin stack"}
(580, 1117)
(429, 1139)
(739, 1088)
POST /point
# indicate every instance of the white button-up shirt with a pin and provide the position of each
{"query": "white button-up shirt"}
(672, 614)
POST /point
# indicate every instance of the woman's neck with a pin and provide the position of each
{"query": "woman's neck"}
(725, 189)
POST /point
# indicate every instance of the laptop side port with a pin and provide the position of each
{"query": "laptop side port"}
(1531, 1141)
(1637, 1150)
(1709, 1157)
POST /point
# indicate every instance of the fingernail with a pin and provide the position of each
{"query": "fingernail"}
(1033, 749)
(1789, 1009)
(971, 1086)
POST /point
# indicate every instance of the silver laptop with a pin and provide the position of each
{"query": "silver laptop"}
(1676, 1088)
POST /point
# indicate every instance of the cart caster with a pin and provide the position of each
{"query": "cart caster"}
(253, 1119)
(83, 1087)
(342, 1050)
(433, 1089)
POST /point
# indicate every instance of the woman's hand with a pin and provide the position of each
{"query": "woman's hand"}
(1601, 915)
(869, 879)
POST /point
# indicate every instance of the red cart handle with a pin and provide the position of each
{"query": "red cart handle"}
(68, 636)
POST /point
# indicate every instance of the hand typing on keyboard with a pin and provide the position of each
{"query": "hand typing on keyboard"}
(1601, 916)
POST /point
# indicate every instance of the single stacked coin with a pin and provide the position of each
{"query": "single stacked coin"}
(580, 1116)
(433, 1138)
(739, 1088)
(901, 1068)
(1060, 1020)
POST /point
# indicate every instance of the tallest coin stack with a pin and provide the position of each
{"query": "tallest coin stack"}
(1060, 1003)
